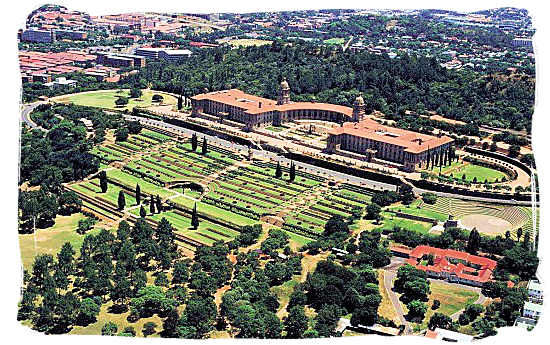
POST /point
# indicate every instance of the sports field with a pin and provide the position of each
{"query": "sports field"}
(247, 42)
(106, 99)
(336, 40)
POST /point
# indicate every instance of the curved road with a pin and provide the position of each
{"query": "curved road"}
(27, 110)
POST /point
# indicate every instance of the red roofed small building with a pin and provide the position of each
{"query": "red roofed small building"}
(452, 265)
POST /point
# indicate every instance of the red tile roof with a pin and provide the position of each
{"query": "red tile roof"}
(254, 105)
(412, 141)
(462, 269)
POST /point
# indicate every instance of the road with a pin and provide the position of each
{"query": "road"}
(268, 155)
(390, 272)
(26, 111)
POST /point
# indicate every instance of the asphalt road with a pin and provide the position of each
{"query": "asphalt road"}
(390, 272)
(25, 114)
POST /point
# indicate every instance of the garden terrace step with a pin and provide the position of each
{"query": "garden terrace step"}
(241, 192)
(225, 178)
(271, 195)
(118, 148)
(169, 168)
(181, 166)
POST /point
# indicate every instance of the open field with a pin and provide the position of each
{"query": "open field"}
(453, 298)
(247, 42)
(470, 171)
(50, 240)
(106, 99)
(390, 221)
(335, 40)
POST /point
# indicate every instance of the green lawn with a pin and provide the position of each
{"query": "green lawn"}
(457, 169)
(422, 212)
(50, 240)
(335, 40)
(453, 298)
(106, 99)
(479, 172)
(390, 221)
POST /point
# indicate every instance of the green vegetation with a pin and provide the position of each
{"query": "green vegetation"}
(106, 99)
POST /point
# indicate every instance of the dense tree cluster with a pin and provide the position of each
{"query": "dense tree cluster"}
(334, 290)
(327, 75)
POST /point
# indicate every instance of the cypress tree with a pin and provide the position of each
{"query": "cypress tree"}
(474, 241)
(142, 212)
(121, 200)
(103, 181)
(194, 142)
(278, 171)
(292, 173)
(180, 102)
(204, 146)
(138, 194)
(195, 218)
(152, 205)
(159, 204)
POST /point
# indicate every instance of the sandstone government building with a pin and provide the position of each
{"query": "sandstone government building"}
(356, 133)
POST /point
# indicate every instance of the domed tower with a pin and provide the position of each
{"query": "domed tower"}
(358, 109)
(284, 93)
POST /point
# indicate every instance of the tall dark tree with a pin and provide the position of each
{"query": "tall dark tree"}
(195, 218)
(121, 200)
(180, 102)
(158, 204)
(474, 241)
(103, 181)
(292, 172)
(194, 142)
(152, 205)
(204, 149)
(138, 194)
(278, 171)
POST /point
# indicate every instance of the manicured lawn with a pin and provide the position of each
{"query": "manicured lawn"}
(214, 211)
(50, 240)
(335, 40)
(457, 169)
(275, 128)
(247, 42)
(106, 99)
(422, 212)
(479, 172)
(390, 221)
(145, 186)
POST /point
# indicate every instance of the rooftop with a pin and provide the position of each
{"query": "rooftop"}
(253, 105)
(412, 141)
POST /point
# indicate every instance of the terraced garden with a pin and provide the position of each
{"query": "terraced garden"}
(229, 191)
(310, 220)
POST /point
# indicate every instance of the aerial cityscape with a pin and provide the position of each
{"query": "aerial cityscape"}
(280, 175)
